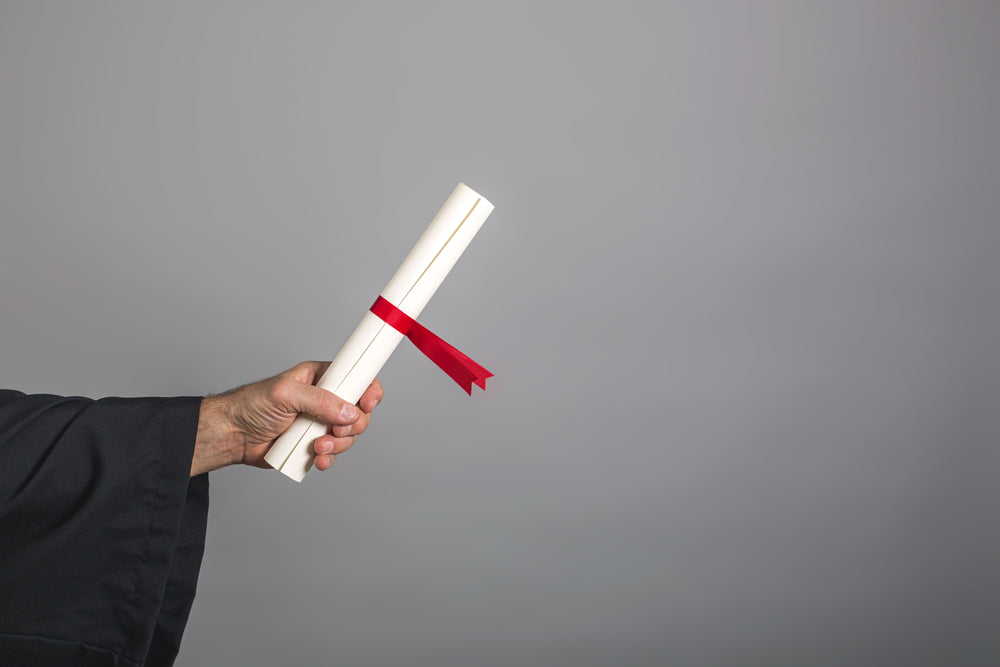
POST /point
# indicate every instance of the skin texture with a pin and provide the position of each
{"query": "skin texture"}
(240, 425)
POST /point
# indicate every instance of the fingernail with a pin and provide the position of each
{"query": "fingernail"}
(341, 431)
(323, 447)
(348, 412)
(374, 403)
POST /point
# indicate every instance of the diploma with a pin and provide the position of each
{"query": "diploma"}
(371, 344)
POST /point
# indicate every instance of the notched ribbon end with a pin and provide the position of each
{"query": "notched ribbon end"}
(481, 382)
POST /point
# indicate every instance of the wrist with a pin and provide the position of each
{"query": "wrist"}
(218, 442)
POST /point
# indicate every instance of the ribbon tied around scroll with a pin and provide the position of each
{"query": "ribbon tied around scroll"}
(458, 366)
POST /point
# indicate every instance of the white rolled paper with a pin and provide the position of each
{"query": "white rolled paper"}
(371, 344)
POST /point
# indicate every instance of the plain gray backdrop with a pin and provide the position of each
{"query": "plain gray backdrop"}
(740, 293)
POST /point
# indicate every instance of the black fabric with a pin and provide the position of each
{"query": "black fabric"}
(101, 529)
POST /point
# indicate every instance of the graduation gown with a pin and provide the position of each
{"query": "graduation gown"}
(101, 528)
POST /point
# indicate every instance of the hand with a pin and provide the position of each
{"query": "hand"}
(240, 425)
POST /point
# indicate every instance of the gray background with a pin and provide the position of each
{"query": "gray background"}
(740, 292)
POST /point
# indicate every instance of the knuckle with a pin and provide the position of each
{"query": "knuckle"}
(361, 425)
(283, 389)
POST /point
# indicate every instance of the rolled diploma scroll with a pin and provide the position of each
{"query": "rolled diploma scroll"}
(369, 347)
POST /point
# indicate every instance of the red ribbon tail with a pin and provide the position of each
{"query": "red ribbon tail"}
(448, 358)
(458, 366)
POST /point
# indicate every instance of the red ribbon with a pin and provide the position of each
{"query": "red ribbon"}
(459, 367)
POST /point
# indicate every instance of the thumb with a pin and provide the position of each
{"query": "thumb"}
(317, 402)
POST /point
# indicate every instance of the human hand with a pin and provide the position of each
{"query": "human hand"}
(240, 425)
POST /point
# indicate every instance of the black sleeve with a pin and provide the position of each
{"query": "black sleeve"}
(101, 528)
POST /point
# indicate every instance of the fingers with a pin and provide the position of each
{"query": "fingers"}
(294, 389)
(371, 397)
(327, 447)
(320, 403)
(328, 444)
(341, 439)
(324, 461)
(294, 392)
(357, 428)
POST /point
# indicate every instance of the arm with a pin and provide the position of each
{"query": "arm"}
(103, 509)
(97, 512)
(240, 425)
